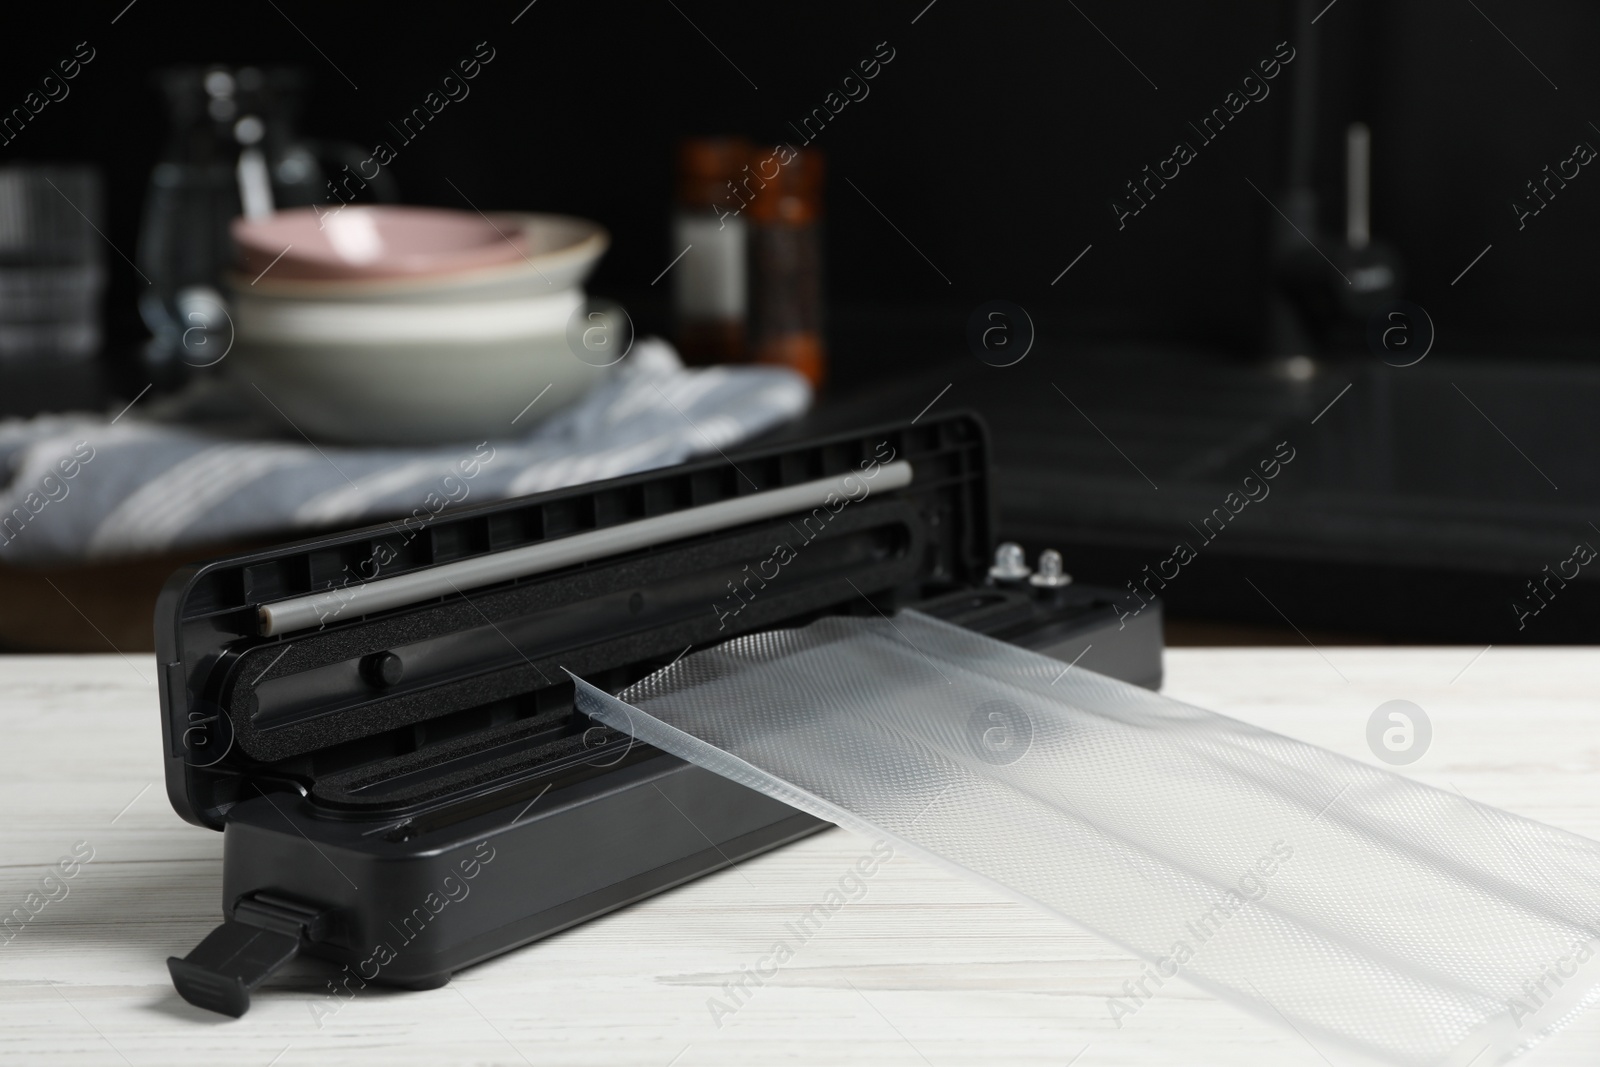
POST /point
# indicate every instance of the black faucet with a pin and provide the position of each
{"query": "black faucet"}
(1324, 285)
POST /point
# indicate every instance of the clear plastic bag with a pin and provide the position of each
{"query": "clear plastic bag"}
(1353, 904)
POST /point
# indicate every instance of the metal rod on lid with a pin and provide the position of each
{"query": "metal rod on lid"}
(304, 612)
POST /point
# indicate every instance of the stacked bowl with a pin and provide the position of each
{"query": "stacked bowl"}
(408, 325)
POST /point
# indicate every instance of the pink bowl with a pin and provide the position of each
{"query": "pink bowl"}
(372, 241)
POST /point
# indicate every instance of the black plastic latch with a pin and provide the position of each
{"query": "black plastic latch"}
(264, 933)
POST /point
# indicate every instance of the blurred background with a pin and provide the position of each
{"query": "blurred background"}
(1371, 259)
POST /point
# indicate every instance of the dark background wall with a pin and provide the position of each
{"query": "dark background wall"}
(994, 139)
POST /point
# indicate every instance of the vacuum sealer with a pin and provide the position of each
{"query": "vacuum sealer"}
(381, 721)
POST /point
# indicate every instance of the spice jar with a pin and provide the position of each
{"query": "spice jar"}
(709, 231)
(786, 261)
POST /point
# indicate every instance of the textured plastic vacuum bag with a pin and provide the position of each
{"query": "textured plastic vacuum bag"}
(1353, 904)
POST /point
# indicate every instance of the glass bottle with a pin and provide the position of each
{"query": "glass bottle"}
(52, 262)
(231, 149)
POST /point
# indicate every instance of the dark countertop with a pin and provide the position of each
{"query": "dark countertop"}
(1418, 506)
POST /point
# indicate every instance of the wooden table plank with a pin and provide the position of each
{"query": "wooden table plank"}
(924, 967)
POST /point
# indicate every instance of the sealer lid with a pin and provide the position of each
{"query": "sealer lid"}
(386, 667)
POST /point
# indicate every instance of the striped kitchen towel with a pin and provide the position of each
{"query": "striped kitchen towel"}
(86, 487)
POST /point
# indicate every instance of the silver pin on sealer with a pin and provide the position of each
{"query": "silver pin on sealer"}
(1050, 574)
(1010, 563)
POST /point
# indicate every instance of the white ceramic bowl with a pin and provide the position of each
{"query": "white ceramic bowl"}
(418, 361)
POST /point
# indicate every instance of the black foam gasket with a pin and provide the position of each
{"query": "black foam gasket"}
(426, 767)
(806, 584)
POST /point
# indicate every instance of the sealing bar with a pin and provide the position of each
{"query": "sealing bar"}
(304, 612)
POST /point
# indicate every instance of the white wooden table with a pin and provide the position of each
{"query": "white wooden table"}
(923, 969)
